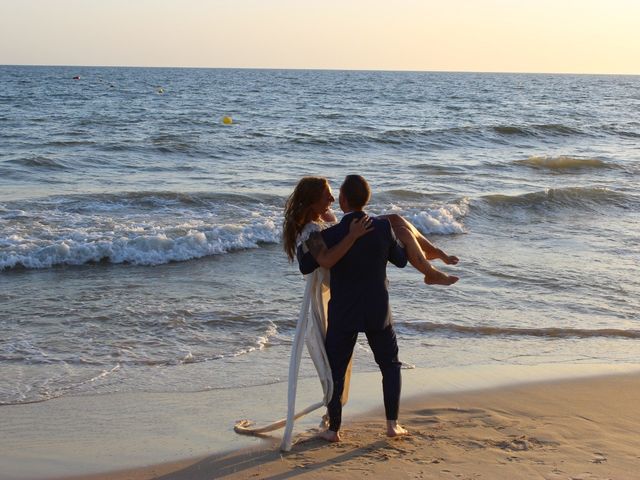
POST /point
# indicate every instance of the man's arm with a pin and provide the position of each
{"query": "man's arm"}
(328, 257)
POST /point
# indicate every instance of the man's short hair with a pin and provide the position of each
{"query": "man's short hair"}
(356, 191)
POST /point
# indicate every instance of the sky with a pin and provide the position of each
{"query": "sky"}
(554, 36)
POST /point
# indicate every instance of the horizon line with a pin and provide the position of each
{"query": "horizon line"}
(514, 72)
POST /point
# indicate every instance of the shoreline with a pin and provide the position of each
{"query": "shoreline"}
(144, 435)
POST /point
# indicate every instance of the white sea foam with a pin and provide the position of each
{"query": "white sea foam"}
(145, 228)
(261, 342)
(130, 246)
(441, 220)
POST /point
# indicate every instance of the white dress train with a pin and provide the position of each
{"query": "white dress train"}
(310, 329)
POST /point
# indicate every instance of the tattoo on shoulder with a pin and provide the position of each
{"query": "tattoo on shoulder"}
(315, 243)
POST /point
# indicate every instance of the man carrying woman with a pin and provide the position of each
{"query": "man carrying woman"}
(356, 250)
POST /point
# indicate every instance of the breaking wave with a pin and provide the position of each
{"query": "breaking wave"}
(141, 249)
(154, 228)
(141, 228)
(444, 219)
(563, 163)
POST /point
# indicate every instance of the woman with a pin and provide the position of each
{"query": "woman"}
(308, 210)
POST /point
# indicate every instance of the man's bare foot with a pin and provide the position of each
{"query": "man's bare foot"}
(330, 436)
(394, 429)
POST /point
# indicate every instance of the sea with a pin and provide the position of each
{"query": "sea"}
(140, 235)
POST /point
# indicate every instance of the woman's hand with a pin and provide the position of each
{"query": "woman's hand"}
(328, 216)
(360, 226)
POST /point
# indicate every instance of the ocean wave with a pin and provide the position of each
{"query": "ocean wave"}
(153, 228)
(439, 169)
(181, 144)
(130, 348)
(144, 249)
(45, 389)
(141, 228)
(436, 137)
(38, 162)
(551, 333)
(553, 129)
(100, 202)
(627, 130)
(433, 220)
(563, 163)
(440, 221)
(69, 143)
(577, 197)
(78, 367)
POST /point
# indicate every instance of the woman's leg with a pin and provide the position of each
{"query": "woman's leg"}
(431, 252)
(416, 257)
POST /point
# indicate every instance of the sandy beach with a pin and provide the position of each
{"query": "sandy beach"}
(581, 428)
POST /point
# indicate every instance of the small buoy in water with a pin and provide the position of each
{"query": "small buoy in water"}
(77, 77)
(227, 120)
(160, 90)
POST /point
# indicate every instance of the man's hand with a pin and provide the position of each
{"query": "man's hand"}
(360, 226)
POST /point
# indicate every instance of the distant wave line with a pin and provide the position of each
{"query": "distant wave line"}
(568, 196)
(153, 199)
(481, 330)
(443, 137)
(38, 162)
(554, 129)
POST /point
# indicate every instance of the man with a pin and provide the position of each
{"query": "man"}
(360, 302)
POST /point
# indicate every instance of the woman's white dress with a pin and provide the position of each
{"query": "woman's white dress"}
(311, 328)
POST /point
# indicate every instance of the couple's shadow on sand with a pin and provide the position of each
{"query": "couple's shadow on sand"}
(282, 465)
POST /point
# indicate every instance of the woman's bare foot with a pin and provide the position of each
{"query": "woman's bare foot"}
(330, 436)
(394, 429)
(451, 260)
(436, 277)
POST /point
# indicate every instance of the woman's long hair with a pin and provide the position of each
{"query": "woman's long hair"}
(297, 210)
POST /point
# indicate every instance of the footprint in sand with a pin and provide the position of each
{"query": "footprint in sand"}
(600, 458)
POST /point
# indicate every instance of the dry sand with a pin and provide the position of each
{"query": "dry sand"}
(573, 429)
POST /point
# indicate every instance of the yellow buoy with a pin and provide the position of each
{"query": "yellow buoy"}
(227, 120)
(160, 90)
